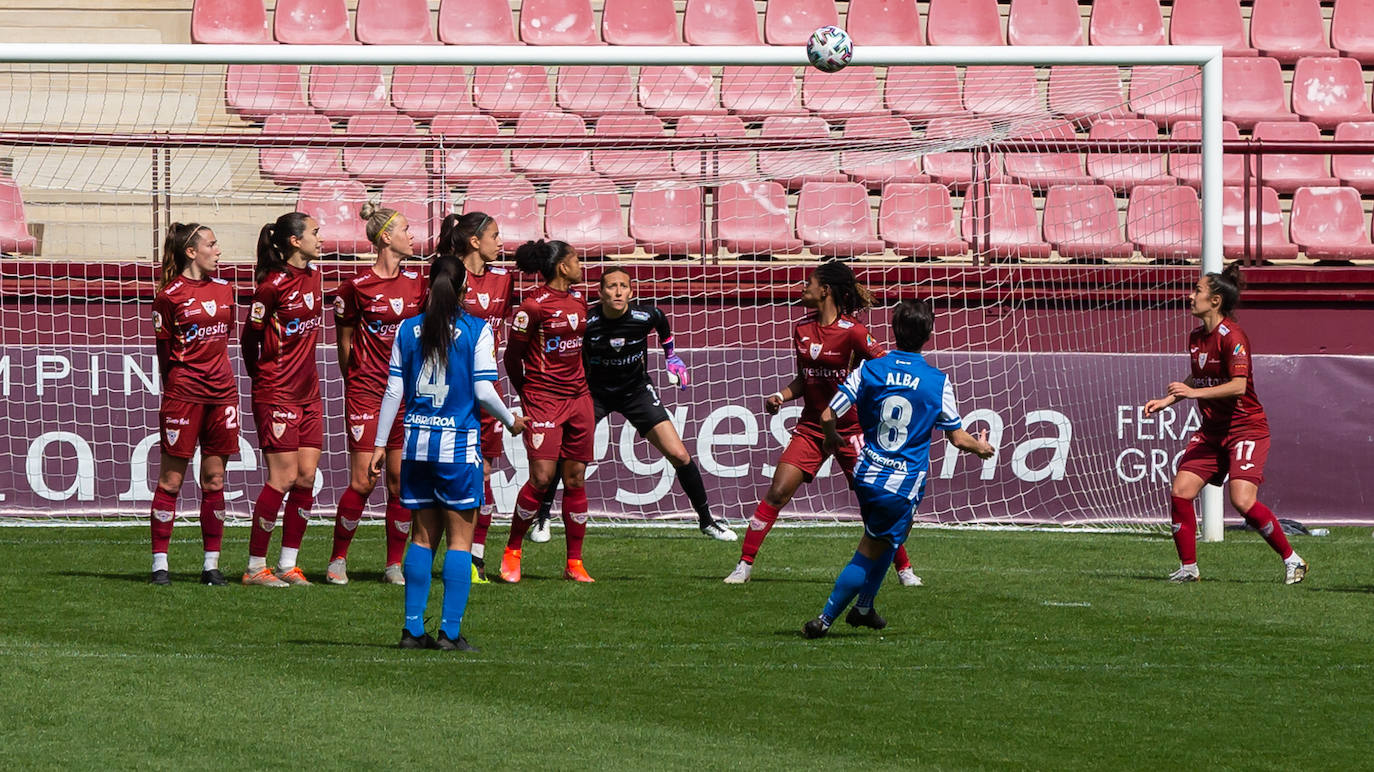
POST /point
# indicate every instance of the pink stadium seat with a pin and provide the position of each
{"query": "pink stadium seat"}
(1330, 90)
(462, 164)
(884, 23)
(924, 92)
(344, 90)
(752, 219)
(716, 164)
(755, 93)
(1002, 91)
(557, 23)
(834, 219)
(541, 163)
(312, 22)
(1006, 214)
(793, 168)
(511, 203)
(917, 220)
(1330, 224)
(629, 165)
(1352, 29)
(376, 165)
(1087, 93)
(1357, 171)
(1166, 93)
(597, 91)
(394, 22)
(1187, 167)
(412, 199)
(1126, 23)
(255, 91)
(308, 161)
(229, 21)
(666, 219)
(1165, 222)
(877, 168)
(476, 23)
(1082, 223)
(586, 213)
(506, 92)
(840, 95)
(956, 167)
(1288, 29)
(1252, 91)
(1209, 23)
(423, 91)
(1045, 23)
(334, 204)
(1125, 170)
(721, 23)
(964, 23)
(1266, 225)
(1287, 173)
(639, 23)
(14, 232)
(677, 91)
(1043, 170)
(791, 22)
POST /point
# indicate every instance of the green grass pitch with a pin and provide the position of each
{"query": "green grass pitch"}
(1023, 650)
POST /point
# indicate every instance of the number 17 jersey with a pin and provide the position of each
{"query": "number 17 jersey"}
(442, 421)
(901, 400)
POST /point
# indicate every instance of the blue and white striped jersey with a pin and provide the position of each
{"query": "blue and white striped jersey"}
(442, 423)
(901, 400)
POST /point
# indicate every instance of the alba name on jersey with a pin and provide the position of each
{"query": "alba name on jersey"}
(288, 306)
(442, 421)
(1216, 357)
(901, 399)
(375, 307)
(616, 350)
(197, 318)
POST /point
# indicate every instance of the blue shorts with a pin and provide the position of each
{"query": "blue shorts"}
(436, 485)
(887, 516)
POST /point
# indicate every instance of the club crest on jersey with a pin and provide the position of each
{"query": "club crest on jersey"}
(309, 300)
(258, 312)
(172, 435)
(537, 440)
(572, 321)
(483, 299)
(617, 343)
(357, 431)
(815, 350)
(278, 429)
(397, 305)
(1202, 359)
(210, 306)
(521, 321)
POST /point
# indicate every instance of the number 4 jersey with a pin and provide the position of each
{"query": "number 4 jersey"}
(442, 421)
(900, 400)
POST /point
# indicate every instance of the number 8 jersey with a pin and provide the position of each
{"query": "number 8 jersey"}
(442, 421)
(900, 399)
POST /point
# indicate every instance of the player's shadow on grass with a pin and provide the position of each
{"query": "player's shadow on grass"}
(1163, 579)
(137, 577)
(389, 646)
(1367, 589)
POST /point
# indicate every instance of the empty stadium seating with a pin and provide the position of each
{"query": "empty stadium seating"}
(956, 167)
(844, 94)
(557, 23)
(964, 23)
(1126, 23)
(1002, 92)
(1124, 170)
(668, 219)
(1165, 222)
(884, 23)
(924, 92)
(1082, 223)
(1329, 90)
(1330, 224)
(1357, 171)
(255, 91)
(14, 233)
(677, 91)
(334, 204)
(229, 21)
(312, 22)
(1268, 238)
(639, 23)
(511, 203)
(476, 22)
(541, 163)
(1288, 30)
(423, 91)
(376, 164)
(414, 199)
(1209, 23)
(721, 23)
(1166, 93)
(506, 92)
(585, 212)
(753, 219)
(755, 93)
(1187, 167)
(1001, 222)
(1286, 173)
(394, 22)
(1352, 29)
(345, 90)
(791, 22)
(462, 164)
(714, 164)
(877, 168)
(793, 168)
(1044, 170)
(1087, 93)
(834, 220)
(1044, 23)
(596, 91)
(629, 165)
(917, 220)
(306, 161)
(1252, 90)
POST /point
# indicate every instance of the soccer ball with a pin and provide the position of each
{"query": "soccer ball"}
(829, 49)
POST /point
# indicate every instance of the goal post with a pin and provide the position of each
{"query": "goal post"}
(733, 312)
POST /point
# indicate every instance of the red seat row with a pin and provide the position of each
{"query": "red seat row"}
(1285, 29)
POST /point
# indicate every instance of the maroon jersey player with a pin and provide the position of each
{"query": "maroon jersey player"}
(367, 311)
(1233, 440)
(193, 315)
(279, 354)
(475, 239)
(828, 345)
(544, 364)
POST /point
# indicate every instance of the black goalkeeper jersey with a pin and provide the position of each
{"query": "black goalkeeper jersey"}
(616, 350)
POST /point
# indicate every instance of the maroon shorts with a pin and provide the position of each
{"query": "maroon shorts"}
(806, 451)
(1214, 459)
(183, 424)
(559, 427)
(360, 413)
(493, 437)
(288, 428)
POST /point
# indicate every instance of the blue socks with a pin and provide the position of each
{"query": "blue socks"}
(876, 574)
(417, 567)
(847, 585)
(457, 574)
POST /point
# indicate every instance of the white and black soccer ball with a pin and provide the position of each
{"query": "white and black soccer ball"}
(830, 49)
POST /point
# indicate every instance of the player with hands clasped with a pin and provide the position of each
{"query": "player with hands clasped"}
(443, 365)
(1234, 437)
(900, 400)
